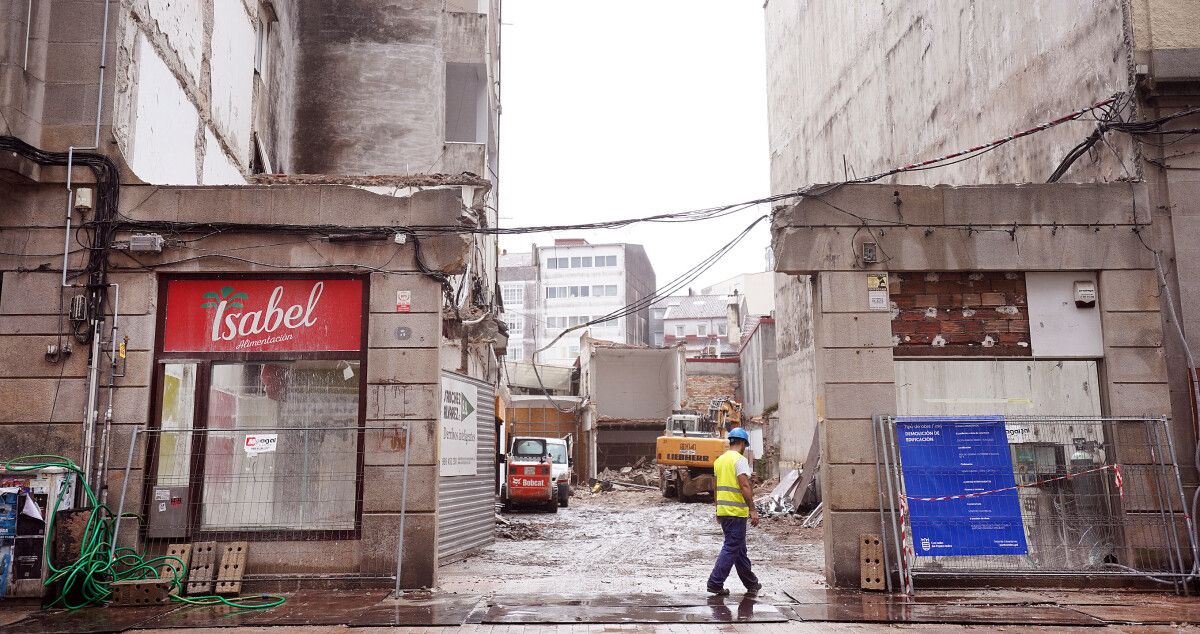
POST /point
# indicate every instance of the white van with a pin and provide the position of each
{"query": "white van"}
(560, 466)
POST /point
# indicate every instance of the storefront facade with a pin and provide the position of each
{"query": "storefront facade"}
(281, 390)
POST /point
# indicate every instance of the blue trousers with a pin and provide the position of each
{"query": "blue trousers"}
(733, 554)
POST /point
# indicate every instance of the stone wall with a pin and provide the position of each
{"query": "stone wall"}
(854, 375)
(42, 403)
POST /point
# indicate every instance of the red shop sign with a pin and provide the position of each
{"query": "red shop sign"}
(246, 315)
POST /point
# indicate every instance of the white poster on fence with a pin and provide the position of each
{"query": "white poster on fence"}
(459, 427)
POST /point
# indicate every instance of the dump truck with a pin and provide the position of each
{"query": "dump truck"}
(690, 445)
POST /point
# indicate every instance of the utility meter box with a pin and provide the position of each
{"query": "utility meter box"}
(168, 515)
(27, 499)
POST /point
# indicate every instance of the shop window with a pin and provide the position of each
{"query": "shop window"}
(311, 407)
(267, 446)
(178, 416)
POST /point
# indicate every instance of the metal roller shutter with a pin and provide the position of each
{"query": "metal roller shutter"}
(467, 503)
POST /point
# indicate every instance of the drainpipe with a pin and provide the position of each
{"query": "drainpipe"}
(28, 33)
(89, 429)
(106, 434)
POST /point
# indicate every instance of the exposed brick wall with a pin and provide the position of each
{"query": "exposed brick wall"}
(947, 314)
(703, 388)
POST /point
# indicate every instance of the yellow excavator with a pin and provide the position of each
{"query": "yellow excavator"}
(690, 445)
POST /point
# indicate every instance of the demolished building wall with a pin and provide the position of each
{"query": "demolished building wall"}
(626, 385)
(856, 355)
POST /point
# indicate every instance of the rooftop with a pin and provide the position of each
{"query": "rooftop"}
(699, 307)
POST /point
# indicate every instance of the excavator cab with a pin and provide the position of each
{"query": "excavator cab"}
(689, 425)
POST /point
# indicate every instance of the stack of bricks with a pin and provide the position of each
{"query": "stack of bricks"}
(959, 314)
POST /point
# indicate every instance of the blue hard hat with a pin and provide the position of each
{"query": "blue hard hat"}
(739, 434)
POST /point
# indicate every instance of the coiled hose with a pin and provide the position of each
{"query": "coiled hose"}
(99, 564)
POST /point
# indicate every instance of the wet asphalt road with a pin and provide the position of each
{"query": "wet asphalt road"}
(636, 542)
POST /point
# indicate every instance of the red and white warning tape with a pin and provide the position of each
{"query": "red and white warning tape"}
(1120, 482)
(905, 538)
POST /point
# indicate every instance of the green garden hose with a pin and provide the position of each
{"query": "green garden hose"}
(99, 565)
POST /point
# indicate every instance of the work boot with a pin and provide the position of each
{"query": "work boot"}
(718, 590)
(753, 590)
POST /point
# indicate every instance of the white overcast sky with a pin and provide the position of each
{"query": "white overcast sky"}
(628, 108)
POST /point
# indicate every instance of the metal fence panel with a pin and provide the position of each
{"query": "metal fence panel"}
(296, 493)
(1098, 497)
(467, 503)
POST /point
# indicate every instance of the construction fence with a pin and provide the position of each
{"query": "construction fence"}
(980, 496)
(296, 494)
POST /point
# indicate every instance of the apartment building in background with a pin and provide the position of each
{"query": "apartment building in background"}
(572, 282)
(707, 325)
(758, 289)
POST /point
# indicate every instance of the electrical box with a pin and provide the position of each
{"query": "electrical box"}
(168, 516)
(146, 242)
(26, 500)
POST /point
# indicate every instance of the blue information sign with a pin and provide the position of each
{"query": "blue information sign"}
(945, 456)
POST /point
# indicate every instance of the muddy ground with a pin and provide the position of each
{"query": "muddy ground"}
(631, 541)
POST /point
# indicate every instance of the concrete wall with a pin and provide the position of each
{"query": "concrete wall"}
(799, 407)
(640, 282)
(760, 376)
(631, 383)
(889, 83)
(854, 373)
(42, 403)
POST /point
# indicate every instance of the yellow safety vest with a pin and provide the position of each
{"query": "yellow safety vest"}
(730, 502)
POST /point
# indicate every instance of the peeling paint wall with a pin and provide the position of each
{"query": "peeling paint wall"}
(184, 90)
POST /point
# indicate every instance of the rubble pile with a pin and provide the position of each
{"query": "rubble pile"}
(642, 474)
(786, 498)
(516, 531)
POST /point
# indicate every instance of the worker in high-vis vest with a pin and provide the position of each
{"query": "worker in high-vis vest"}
(735, 505)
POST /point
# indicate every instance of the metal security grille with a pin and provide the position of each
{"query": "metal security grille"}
(295, 493)
(1097, 497)
(467, 503)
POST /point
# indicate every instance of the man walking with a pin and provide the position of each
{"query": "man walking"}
(735, 503)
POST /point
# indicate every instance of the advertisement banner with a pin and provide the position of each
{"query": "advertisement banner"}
(958, 478)
(247, 315)
(459, 428)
